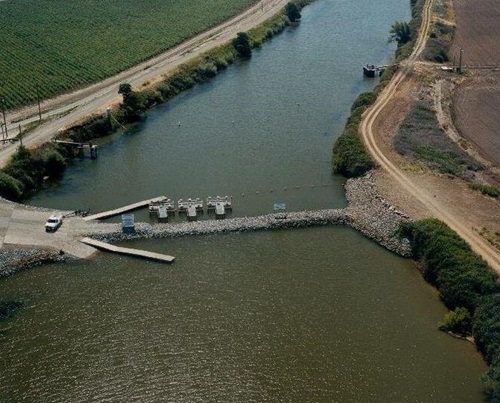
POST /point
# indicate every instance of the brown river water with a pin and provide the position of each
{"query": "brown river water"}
(307, 315)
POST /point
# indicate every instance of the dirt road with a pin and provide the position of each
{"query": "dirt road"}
(421, 195)
(68, 109)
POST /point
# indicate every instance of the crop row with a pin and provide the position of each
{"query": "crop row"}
(61, 45)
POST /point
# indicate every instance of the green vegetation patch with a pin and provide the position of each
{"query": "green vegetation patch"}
(467, 285)
(460, 275)
(421, 138)
(441, 34)
(60, 45)
(486, 331)
(439, 43)
(350, 157)
(486, 189)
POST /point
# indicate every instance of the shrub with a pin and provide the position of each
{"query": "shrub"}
(10, 188)
(292, 12)
(486, 331)
(350, 157)
(460, 275)
(242, 45)
(458, 321)
(486, 189)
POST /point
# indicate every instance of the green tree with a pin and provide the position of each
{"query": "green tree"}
(292, 12)
(133, 103)
(10, 188)
(242, 45)
(400, 32)
(124, 89)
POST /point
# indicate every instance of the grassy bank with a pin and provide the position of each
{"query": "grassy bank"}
(28, 169)
(467, 286)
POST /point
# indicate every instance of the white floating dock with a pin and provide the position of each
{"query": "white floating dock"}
(134, 206)
(191, 212)
(162, 212)
(220, 210)
(128, 251)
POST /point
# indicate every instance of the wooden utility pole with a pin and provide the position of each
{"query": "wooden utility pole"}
(460, 60)
(38, 100)
(4, 120)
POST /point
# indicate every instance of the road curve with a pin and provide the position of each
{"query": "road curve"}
(478, 243)
(66, 110)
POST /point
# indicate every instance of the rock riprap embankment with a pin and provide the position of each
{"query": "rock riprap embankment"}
(367, 212)
(375, 217)
(12, 261)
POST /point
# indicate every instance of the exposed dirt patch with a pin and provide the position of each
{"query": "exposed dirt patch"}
(476, 106)
(476, 112)
(477, 31)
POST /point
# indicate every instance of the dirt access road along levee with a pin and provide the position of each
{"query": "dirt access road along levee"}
(374, 143)
(67, 110)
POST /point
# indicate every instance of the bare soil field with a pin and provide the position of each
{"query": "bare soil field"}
(476, 103)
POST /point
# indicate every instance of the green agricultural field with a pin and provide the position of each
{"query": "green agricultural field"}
(61, 45)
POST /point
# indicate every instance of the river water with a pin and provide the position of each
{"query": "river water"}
(317, 314)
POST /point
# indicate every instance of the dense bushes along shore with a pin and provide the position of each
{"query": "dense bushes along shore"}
(28, 169)
(467, 286)
(350, 157)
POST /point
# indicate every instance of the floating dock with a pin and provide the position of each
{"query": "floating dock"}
(128, 251)
(162, 212)
(183, 205)
(220, 211)
(225, 200)
(124, 209)
(192, 214)
(370, 70)
(156, 205)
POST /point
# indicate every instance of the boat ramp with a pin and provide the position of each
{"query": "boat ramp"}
(128, 251)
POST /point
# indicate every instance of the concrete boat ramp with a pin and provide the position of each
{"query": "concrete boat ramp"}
(24, 226)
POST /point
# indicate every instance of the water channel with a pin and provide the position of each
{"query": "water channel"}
(308, 315)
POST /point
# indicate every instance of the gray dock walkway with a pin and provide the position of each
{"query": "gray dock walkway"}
(112, 213)
(128, 251)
